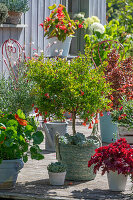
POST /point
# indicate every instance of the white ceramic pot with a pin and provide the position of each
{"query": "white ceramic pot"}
(57, 178)
(123, 132)
(116, 182)
(58, 48)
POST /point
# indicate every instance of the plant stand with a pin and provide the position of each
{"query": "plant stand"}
(123, 132)
(57, 178)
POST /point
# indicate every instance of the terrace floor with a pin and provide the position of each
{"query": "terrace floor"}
(33, 183)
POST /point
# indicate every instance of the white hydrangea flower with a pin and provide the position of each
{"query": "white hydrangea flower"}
(98, 27)
(79, 15)
(95, 19)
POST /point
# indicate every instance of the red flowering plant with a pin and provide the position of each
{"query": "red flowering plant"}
(74, 87)
(18, 137)
(59, 24)
(117, 156)
(124, 114)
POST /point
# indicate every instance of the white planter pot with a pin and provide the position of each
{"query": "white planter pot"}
(116, 182)
(123, 132)
(58, 48)
(57, 178)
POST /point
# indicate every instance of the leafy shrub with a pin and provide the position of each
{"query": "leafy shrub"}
(16, 5)
(3, 12)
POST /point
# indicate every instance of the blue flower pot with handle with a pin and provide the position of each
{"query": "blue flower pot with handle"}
(108, 129)
(9, 170)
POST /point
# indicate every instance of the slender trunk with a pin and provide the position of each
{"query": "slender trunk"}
(73, 122)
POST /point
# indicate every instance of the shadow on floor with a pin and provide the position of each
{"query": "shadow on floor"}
(99, 194)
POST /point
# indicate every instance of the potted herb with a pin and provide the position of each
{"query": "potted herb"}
(16, 93)
(15, 10)
(59, 28)
(18, 138)
(116, 160)
(57, 173)
(123, 116)
(3, 13)
(74, 87)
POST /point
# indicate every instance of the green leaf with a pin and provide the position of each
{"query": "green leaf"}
(25, 158)
(109, 5)
(52, 7)
(21, 114)
(38, 137)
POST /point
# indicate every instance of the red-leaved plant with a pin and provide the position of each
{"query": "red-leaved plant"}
(117, 156)
(120, 75)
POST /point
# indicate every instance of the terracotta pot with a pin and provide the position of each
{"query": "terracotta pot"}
(14, 17)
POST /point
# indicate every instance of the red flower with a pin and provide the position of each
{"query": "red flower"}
(46, 95)
(41, 25)
(32, 105)
(101, 114)
(80, 26)
(121, 108)
(62, 27)
(84, 123)
(2, 127)
(48, 19)
(36, 111)
(90, 126)
(82, 93)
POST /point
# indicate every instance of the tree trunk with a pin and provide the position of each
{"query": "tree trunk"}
(73, 122)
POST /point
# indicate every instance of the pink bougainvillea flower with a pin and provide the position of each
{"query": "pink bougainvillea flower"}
(41, 25)
(80, 26)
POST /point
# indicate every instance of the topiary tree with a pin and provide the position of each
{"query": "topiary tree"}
(75, 87)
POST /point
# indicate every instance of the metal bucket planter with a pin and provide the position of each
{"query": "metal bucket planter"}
(51, 128)
(116, 182)
(123, 132)
(58, 48)
(76, 160)
(14, 18)
(107, 128)
(9, 170)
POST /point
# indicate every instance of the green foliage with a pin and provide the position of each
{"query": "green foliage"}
(75, 87)
(16, 5)
(78, 139)
(3, 13)
(124, 114)
(16, 95)
(18, 136)
(122, 11)
(56, 167)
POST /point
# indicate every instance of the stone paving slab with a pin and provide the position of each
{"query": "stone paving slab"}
(33, 184)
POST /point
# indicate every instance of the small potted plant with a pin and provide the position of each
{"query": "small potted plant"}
(59, 28)
(57, 173)
(74, 87)
(123, 116)
(116, 160)
(18, 138)
(15, 10)
(3, 13)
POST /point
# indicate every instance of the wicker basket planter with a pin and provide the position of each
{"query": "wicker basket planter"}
(76, 160)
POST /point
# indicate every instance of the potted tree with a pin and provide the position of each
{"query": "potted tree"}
(15, 10)
(57, 173)
(18, 138)
(75, 87)
(116, 160)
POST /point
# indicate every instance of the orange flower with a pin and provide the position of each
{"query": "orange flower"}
(2, 127)
(90, 126)
(22, 122)
(96, 121)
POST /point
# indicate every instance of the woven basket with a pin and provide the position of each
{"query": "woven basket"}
(76, 160)
(14, 17)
